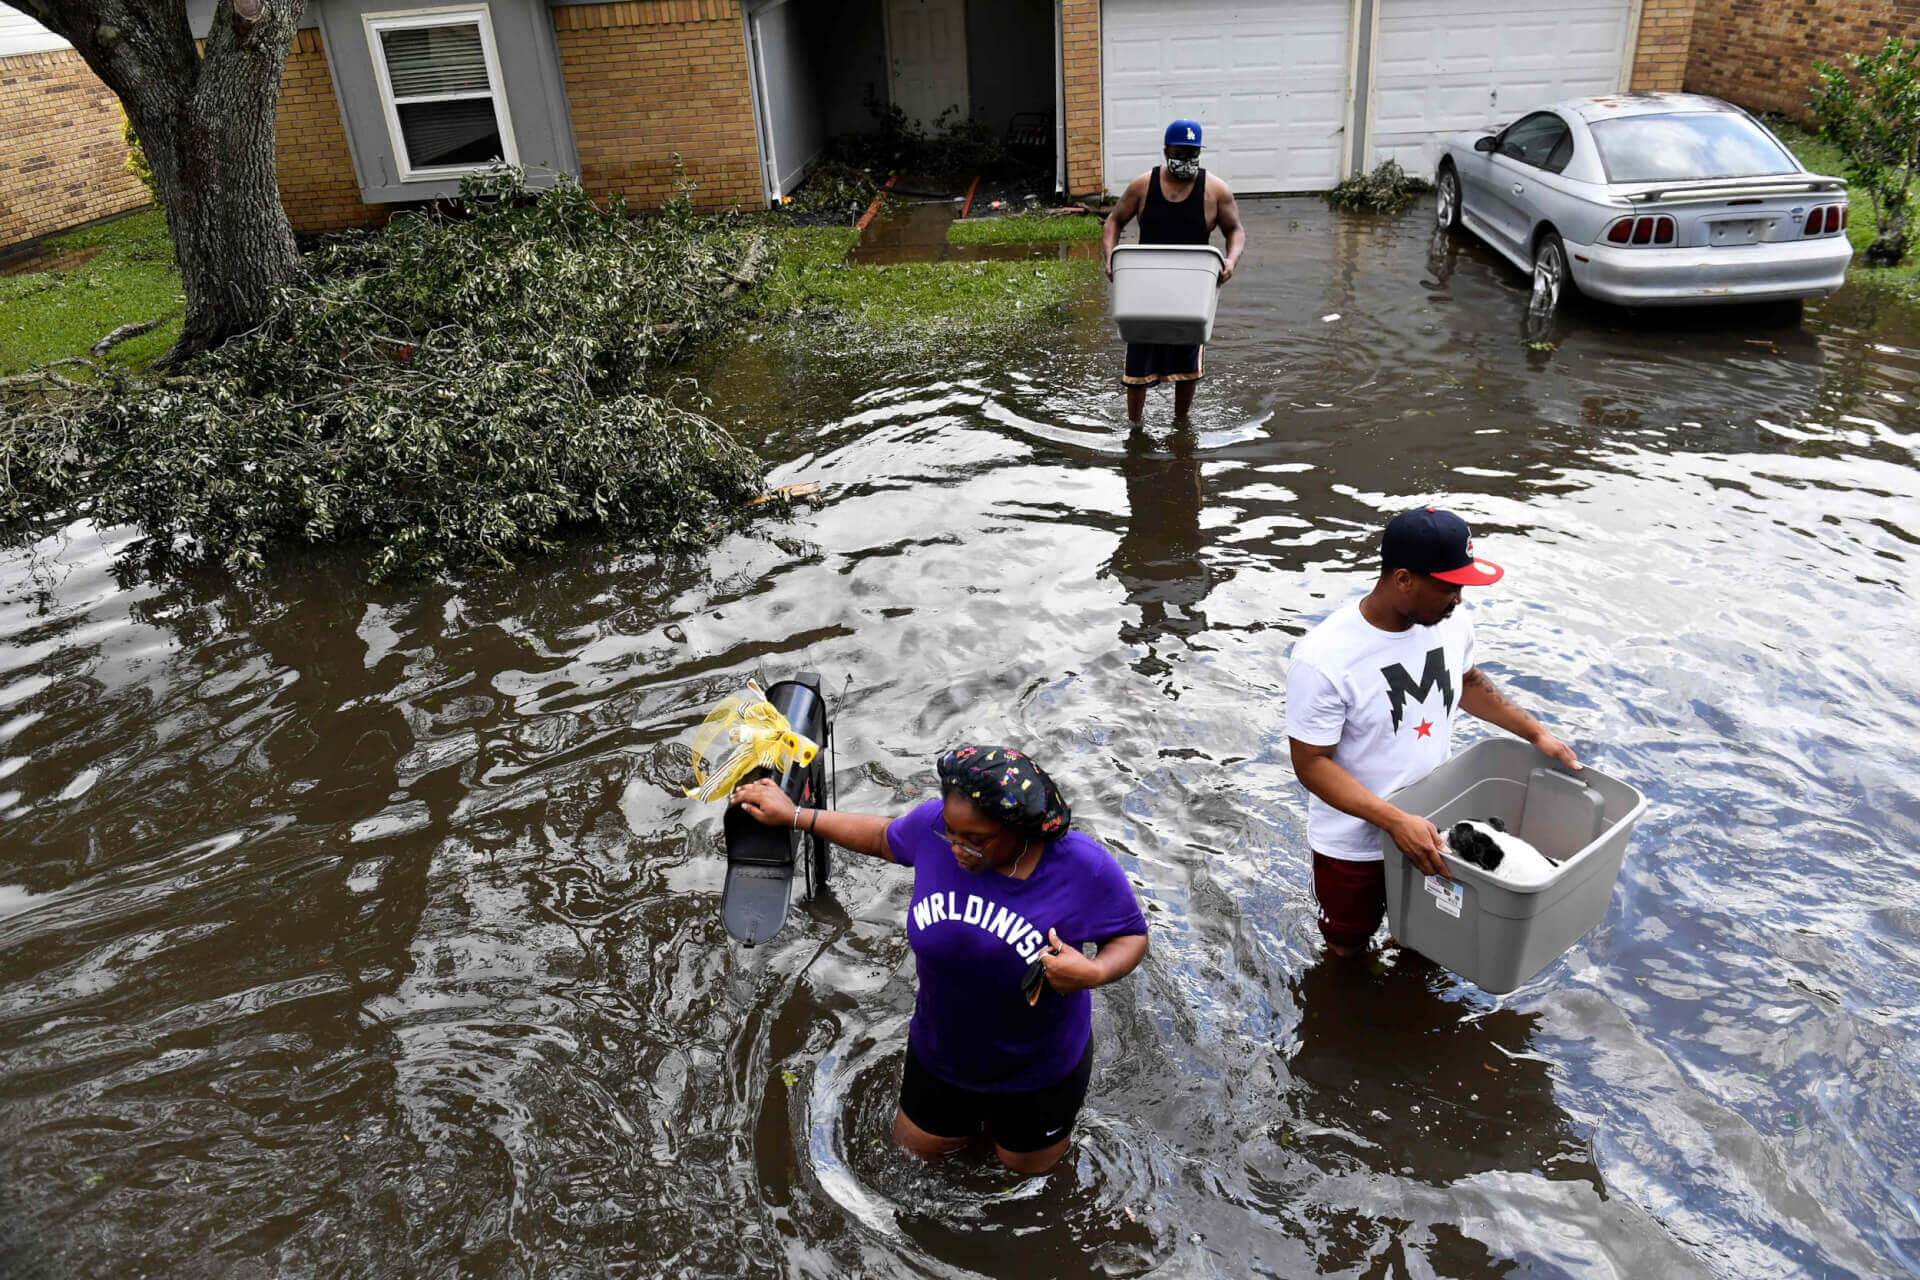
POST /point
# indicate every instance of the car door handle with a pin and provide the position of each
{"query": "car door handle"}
(1518, 188)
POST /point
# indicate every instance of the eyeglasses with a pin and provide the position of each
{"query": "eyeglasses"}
(954, 841)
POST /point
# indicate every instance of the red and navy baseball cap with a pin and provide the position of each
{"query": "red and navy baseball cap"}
(1437, 543)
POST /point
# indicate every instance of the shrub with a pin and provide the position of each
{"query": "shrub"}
(1870, 110)
(136, 162)
(1388, 189)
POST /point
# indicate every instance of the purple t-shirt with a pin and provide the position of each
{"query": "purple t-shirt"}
(973, 935)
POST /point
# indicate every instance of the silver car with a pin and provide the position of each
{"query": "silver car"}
(1648, 200)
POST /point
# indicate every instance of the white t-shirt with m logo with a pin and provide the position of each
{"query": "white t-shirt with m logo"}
(1385, 701)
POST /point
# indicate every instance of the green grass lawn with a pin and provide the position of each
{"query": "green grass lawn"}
(47, 315)
(1862, 226)
(1025, 228)
(915, 303)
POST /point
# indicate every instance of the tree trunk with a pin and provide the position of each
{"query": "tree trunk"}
(1890, 246)
(206, 123)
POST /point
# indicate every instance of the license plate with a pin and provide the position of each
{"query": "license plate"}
(1745, 231)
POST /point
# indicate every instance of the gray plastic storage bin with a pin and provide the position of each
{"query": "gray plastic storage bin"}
(1166, 292)
(1494, 935)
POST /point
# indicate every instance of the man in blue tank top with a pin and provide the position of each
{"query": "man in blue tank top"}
(1177, 203)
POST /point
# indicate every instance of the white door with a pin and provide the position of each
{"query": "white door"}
(927, 45)
(1268, 83)
(1441, 66)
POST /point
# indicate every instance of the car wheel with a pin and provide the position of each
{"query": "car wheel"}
(1446, 202)
(1552, 282)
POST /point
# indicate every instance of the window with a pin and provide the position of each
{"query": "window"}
(1696, 145)
(1541, 140)
(439, 77)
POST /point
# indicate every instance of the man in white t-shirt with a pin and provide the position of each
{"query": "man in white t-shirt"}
(1372, 693)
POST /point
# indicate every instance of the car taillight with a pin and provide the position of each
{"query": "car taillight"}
(1816, 219)
(1833, 218)
(1660, 230)
(1843, 217)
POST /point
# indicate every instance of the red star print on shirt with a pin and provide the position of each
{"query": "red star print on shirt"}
(1424, 729)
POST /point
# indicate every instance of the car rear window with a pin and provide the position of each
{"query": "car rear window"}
(1700, 145)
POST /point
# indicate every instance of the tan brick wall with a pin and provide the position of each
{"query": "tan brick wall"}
(1080, 48)
(1660, 52)
(314, 167)
(652, 77)
(1760, 53)
(62, 156)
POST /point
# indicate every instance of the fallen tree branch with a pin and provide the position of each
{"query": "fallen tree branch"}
(748, 273)
(45, 373)
(806, 490)
(121, 334)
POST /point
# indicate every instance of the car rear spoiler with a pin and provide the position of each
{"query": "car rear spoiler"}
(1736, 190)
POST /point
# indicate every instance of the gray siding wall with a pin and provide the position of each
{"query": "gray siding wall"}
(529, 65)
(788, 85)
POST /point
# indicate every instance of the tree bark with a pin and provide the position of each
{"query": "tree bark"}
(206, 122)
(1890, 246)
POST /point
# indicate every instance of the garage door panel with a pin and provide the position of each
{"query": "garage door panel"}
(1256, 111)
(1269, 82)
(1452, 65)
(1259, 53)
(1132, 57)
(1196, 54)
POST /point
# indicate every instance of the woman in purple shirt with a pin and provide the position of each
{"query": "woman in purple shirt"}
(1001, 888)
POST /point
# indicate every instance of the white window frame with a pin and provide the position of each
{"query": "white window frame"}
(376, 23)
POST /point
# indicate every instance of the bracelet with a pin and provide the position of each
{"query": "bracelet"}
(796, 817)
(813, 822)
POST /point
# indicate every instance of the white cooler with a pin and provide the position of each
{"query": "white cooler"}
(1166, 292)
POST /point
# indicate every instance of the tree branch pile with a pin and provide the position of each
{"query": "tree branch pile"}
(446, 391)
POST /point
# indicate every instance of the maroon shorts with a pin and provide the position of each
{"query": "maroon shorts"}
(1352, 898)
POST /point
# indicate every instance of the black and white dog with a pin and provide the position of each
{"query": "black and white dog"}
(1487, 844)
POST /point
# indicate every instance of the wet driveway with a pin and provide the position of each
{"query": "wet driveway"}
(365, 932)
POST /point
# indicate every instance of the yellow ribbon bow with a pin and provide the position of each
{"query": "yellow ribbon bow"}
(744, 733)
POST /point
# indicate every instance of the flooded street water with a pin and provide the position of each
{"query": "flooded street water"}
(348, 931)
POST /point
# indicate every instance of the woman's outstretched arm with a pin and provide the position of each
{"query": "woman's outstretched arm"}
(861, 832)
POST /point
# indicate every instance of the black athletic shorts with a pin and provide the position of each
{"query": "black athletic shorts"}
(1151, 362)
(1022, 1120)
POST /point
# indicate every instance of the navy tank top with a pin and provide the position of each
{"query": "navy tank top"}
(1164, 222)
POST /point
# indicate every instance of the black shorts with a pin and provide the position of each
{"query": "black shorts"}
(1021, 1120)
(1151, 362)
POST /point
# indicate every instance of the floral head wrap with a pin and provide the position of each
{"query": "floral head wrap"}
(1007, 786)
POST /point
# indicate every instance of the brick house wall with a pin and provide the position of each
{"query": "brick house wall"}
(648, 78)
(1760, 53)
(1660, 53)
(1080, 50)
(314, 167)
(64, 158)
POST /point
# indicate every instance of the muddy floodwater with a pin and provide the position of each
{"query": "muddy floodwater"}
(365, 932)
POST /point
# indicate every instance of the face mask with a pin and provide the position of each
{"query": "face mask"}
(1184, 170)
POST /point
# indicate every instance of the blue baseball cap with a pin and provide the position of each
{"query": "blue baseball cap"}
(1437, 543)
(1183, 133)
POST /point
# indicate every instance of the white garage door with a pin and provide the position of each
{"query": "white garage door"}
(1446, 65)
(1268, 82)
